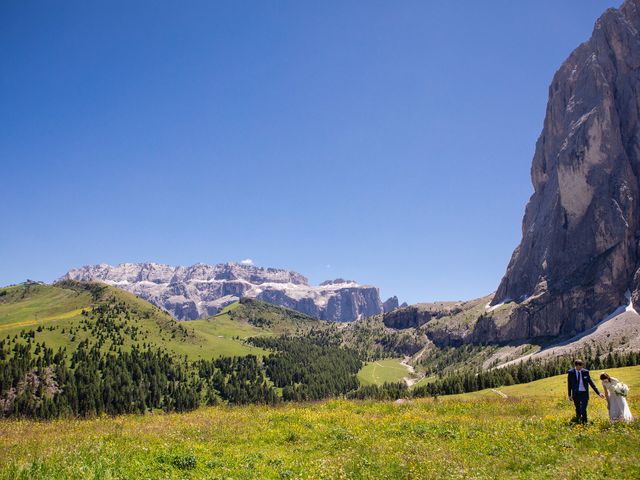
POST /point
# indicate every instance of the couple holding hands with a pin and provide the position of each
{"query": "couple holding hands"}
(578, 382)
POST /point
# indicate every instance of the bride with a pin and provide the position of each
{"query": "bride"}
(618, 408)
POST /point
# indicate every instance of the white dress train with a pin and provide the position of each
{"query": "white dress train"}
(618, 407)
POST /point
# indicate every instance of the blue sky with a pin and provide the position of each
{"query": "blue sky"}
(386, 142)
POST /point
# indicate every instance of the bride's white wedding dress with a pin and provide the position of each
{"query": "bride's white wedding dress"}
(618, 407)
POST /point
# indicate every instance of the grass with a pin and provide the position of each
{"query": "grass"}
(60, 315)
(226, 336)
(381, 371)
(226, 332)
(557, 386)
(57, 309)
(34, 304)
(525, 436)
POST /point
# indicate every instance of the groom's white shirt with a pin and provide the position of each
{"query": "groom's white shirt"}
(580, 384)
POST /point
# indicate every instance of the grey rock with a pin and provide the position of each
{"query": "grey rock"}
(353, 302)
(390, 304)
(201, 290)
(414, 316)
(579, 250)
(409, 317)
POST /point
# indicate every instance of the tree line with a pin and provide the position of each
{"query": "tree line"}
(95, 379)
(310, 368)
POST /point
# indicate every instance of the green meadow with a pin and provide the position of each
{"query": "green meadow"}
(28, 307)
(381, 371)
(223, 335)
(527, 435)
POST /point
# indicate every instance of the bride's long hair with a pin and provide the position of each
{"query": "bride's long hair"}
(604, 376)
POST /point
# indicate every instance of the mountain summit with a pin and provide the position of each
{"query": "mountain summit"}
(579, 252)
(201, 290)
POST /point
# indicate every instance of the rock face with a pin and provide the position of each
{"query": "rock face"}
(579, 250)
(201, 290)
(414, 316)
(390, 304)
(409, 317)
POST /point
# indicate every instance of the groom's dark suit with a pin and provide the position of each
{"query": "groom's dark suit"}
(579, 391)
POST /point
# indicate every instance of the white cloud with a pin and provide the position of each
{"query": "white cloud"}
(246, 261)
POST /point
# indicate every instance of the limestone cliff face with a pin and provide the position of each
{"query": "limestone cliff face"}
(579, 250)
(201, 290)
(413, 316)
(409, 317)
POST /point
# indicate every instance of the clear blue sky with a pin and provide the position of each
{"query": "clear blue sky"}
(387, 142)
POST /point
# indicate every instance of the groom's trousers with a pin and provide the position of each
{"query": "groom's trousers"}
(580, 400)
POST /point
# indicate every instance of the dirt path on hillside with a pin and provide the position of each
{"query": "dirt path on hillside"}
(412, 379)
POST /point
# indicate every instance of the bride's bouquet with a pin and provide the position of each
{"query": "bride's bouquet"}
(621, 389)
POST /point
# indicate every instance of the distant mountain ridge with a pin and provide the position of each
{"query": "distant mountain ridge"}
(201, 290)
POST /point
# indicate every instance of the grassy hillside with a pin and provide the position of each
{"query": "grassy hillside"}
(525, 436)
(226, 332)
(53, 314)
(225, 336)
(274, 319)
(31, 304)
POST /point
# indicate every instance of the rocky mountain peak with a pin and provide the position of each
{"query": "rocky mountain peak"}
(390, 304)
(201, 289)
(579, 249)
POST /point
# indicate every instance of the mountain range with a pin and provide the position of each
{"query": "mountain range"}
(202, 290)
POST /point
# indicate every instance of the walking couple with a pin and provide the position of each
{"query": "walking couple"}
(578, 382)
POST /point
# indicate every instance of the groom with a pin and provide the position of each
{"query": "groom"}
(578, 381)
